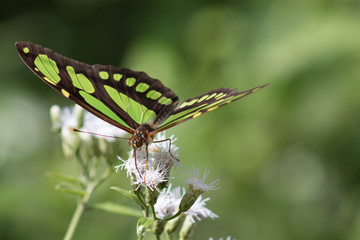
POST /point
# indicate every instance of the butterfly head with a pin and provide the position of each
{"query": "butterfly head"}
(140, 137)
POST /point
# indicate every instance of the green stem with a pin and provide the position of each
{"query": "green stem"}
(75, 220)
(78, 213)
(153, 212)
(170, 218)
(142, 202)
(164, 219)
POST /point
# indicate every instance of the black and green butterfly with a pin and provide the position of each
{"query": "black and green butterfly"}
(132, 101)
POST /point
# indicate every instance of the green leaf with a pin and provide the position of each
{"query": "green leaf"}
(118, 209)
(67, 189)
(61, 177)
(142, 225)
(126, 193)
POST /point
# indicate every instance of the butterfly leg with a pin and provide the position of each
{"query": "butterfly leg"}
(147, 161)
(168, 139)
(134, 156)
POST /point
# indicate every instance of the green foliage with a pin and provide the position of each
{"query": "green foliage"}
(125, 193)
(143, 224)
(118, 209)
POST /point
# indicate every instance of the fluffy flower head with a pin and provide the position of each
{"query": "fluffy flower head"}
(151, 168)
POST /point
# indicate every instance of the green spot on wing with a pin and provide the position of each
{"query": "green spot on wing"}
(80, 80)
(183, 114)
(148, 115)
(211, 96)
(117, 76)
(152, 94)
(114, 94)
(142, 87)
(104, 75)
(85, 82)
(47, 67)
(188, 103)
(138, 112)
(196, 111)
(203, 98)
(98, 105)
(130, 81)
(220, 95)
(26, 50)
(165, 101)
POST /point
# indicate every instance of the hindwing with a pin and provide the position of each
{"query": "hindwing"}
(197, 106)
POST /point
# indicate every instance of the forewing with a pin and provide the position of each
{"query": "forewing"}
(195, 107)
(120, 96)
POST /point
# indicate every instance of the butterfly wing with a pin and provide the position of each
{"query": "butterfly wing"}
(121, 97)
(195, 107)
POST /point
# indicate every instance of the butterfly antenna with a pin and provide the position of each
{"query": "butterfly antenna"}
(98, 134)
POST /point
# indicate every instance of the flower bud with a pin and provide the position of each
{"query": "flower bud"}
(55, 116)
(187, 228)
(158, 227)
(79, 113)
(173, 225)
(188, 200)
(151, 196)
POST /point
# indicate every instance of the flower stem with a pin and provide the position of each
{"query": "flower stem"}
(170, 218)
(154, 213)
(74, 220)
(143, 204)
(78, 212)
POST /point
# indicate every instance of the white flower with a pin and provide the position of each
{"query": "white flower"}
(68, 118)
(66, 122)
(199, 211)
(152, 177)
(164, 148)
(55, 116)
(168, 204)
(197, 186)
(197, 183)
(93, 124)
(152, 168)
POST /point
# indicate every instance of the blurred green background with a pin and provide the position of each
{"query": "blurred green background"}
(287, 156)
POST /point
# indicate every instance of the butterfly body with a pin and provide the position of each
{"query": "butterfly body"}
(141, 136)
(129, 100)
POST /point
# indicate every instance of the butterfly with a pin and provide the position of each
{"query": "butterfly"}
(129, 100)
